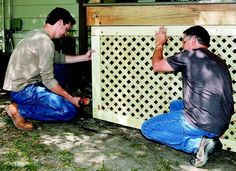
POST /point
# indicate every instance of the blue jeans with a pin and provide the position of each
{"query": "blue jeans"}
(173, 130)
(36, 102)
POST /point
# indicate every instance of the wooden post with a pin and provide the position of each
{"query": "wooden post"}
(83, 30)
(82, 69)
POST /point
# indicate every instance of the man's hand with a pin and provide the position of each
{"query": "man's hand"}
(76, 101)
(88, 55)
(159, 63)
(81, 102)
(161, 37)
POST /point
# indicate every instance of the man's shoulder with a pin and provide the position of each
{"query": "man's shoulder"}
(37, 33)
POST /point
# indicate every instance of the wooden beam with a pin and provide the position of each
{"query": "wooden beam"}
(188, 14)
(83, 30)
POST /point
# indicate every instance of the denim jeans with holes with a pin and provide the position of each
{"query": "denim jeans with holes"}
(173, 130)
(36, 102)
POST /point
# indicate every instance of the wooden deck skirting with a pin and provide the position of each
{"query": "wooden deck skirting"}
(162, 14)
(175, 16)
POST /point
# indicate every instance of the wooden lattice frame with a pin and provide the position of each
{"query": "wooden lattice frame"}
(125, 89)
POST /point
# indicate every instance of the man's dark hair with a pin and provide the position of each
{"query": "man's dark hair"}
(202, 35)
(60, 14)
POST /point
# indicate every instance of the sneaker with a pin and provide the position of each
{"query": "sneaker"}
(206, 147)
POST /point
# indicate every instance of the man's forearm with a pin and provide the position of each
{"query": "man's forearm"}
(79, 58)
(74, 58)
(159, 63)
(157, 54)
(60, 91)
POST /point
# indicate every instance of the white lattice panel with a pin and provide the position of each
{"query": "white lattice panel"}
(125, 89)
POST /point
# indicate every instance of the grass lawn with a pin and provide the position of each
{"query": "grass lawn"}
(90, 144)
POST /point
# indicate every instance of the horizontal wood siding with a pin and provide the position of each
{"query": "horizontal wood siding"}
(37, 11)
(34, 12)
(42, 2)
(204, 14)
(36, 18)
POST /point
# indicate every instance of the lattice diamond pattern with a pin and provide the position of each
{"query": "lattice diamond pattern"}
(130, 89)
(129, 85)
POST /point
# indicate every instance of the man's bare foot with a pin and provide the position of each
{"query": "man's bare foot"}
(17, 119)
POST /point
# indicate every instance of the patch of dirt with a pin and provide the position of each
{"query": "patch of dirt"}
(91, 144)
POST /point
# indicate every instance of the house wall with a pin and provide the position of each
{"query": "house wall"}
(33, 14)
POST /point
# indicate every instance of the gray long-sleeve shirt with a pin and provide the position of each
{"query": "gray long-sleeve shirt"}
(32, 61)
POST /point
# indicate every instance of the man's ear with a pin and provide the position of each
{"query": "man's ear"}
(60, 22)
(194, 40)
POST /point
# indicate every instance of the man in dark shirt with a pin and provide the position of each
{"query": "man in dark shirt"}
(194, 124)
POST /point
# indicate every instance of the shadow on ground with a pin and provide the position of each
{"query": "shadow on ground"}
(91, 144)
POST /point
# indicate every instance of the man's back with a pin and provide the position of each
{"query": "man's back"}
(207, 88)
(26, 60)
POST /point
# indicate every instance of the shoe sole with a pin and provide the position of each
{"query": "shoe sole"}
(207, 150)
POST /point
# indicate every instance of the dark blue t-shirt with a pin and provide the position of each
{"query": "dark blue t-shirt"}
(207, 89)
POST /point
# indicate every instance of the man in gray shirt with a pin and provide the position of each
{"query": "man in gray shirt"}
(35, 93)
(193, 124)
